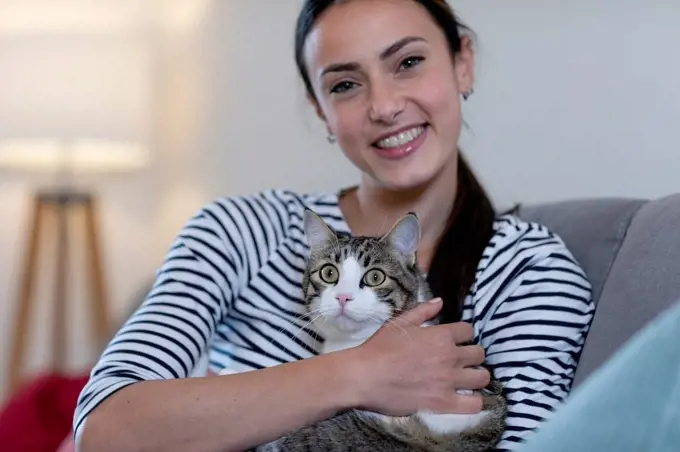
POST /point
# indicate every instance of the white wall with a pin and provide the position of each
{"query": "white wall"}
(578, 98)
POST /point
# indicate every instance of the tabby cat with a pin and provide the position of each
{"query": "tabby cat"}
(354, 285)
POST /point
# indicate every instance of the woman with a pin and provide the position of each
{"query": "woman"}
(387, 78)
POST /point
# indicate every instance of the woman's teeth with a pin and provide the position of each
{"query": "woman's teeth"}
(401, 138)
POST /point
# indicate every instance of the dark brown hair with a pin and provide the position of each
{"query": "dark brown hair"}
(454, 266)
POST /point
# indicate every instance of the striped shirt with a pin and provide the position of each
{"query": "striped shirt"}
(230, 286)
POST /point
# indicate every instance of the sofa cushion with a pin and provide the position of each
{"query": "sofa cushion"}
(592, 229)
(643, 282)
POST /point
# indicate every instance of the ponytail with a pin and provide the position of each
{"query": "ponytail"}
(454, 265)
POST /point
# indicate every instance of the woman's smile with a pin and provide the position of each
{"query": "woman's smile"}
(401, 143)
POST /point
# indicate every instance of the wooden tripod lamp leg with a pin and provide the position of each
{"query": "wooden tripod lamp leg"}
(99, 320)
(60, 205)
(21, 326)
(59, 333)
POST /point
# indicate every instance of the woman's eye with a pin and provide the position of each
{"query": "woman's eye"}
(342, 87)
(410, 62)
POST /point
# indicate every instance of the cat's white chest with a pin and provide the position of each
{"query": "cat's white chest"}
(335, 345)
(438, 424)
(451, 423)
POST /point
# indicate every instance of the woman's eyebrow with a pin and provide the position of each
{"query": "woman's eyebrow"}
(388, 52)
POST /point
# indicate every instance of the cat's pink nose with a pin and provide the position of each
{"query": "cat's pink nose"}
(343, 298)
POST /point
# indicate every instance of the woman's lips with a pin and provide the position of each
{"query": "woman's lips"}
(401, 144)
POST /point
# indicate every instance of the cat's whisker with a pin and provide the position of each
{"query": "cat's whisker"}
(318, 312)
(402, 321)
(391, 322)
(323, 322)
(302, 317)
(299, 330)
(282, 330)
(384, 223)
(311, 313)
(388, 324)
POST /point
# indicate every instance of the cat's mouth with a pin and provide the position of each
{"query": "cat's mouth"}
(353, 317)
(348, 320)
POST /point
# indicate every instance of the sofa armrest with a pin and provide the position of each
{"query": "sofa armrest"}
(643, 282)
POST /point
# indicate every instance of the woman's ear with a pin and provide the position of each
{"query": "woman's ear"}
(465, 65)
(319, 113)
(317, 108)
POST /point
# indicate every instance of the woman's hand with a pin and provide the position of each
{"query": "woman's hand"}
(404, 368)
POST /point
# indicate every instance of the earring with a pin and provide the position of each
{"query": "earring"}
(468, 93)
(331, 138)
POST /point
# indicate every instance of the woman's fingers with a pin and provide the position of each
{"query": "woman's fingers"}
(420, 314)
(472, 378)
(470, 355)
(468, 404)
(461, 332)
(460, 404)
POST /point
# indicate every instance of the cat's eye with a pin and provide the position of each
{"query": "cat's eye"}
(329, 274)
(374, 278)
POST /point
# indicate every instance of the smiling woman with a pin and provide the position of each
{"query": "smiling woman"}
(387, 78)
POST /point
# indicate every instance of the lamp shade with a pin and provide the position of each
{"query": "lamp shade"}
(74, 98)
(79, 156)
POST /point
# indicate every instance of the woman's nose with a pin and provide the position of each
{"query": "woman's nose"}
(385, 103)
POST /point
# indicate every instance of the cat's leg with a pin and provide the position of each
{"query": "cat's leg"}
(351, 431)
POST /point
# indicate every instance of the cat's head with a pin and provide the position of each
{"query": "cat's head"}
(354, 284)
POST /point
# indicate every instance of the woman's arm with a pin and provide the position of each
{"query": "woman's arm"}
(396, 372)
(229, 413)
(534, 327)
(166, 336)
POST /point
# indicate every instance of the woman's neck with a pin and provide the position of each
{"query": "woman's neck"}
(372, 210)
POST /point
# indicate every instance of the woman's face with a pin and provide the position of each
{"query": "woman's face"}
(387, 88)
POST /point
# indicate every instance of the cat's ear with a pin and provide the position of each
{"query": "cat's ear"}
(316, 230)
(405, 236)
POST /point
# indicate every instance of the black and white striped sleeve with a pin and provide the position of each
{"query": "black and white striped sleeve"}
(170, 331)
(536, 314)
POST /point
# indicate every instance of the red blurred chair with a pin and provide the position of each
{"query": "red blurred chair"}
(39, 416)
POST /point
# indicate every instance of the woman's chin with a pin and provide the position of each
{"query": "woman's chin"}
(417, 174)
(404, 180)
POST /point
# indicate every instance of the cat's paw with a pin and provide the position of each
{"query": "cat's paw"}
(451, 423)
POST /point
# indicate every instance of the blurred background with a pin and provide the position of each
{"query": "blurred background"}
(147, 109)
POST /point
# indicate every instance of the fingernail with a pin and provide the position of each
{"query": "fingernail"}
(435, 300)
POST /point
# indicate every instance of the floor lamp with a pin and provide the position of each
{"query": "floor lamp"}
(51, 222)
(74, 101)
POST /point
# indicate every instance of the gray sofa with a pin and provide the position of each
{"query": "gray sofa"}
(630, 249)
